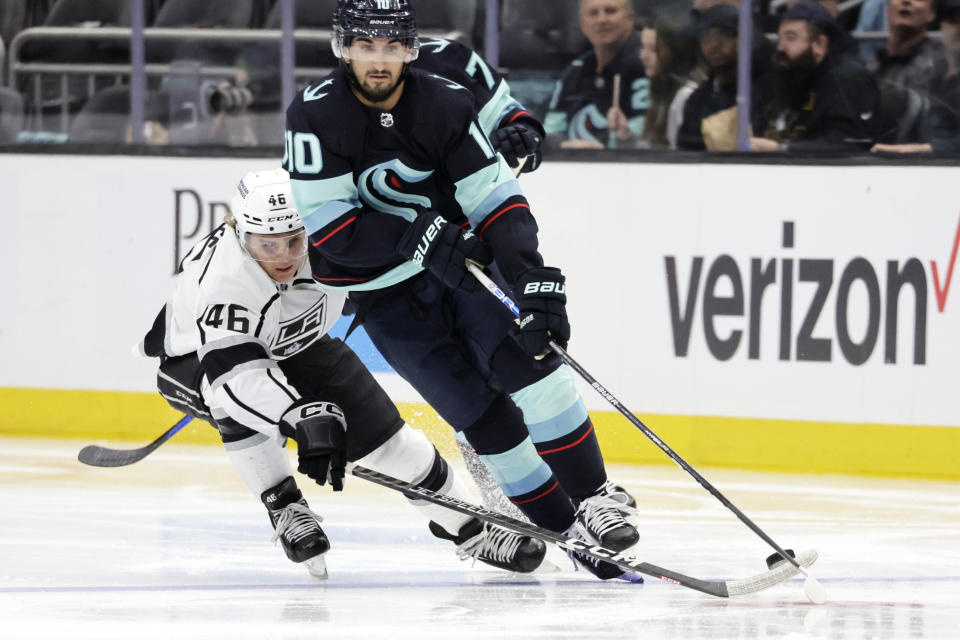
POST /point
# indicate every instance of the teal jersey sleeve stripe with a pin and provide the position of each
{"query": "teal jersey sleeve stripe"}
(325, 214)
(320, 202)
(480, 193)
(492, 112)
(507, 110)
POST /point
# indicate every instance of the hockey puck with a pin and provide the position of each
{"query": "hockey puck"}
(776, 559)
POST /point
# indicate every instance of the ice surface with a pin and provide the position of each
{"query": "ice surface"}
(175, 547)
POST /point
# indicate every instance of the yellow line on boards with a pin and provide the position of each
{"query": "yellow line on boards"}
(743, 443)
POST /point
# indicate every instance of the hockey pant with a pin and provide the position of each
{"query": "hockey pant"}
(524, 417)
(377, 436)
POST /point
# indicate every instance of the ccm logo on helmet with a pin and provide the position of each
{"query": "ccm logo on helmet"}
(290, 216)
(424, 245)
(545, 287)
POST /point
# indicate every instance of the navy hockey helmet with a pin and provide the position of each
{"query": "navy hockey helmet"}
(375, 19)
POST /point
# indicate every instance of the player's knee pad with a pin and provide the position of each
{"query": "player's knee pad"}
(552, 407)
(408, 455)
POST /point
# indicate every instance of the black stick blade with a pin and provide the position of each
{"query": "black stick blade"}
(97, 456)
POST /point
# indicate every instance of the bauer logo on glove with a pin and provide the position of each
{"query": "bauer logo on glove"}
(443, 249)
(426, 241)
(544, 287)
(542, 302)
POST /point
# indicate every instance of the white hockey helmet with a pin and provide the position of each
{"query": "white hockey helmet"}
(264, 206)
(264, 203)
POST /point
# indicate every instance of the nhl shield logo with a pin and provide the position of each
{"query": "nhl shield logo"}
(386, 119)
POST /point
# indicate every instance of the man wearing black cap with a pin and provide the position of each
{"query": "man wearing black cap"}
(718, 27)
(940, 129)
(820, 98)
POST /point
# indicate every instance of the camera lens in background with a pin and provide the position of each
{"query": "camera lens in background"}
(228, 100)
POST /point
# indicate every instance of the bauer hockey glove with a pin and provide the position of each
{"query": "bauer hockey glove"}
(516, 142)
(443, 249)
(542, 298)
(320, 432)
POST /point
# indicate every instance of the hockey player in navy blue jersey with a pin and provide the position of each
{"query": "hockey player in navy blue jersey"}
(398, 185)
(513, 131)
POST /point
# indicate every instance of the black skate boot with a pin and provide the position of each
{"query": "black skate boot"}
(602, 518)
(494, 545)
(296, 526)
(603, 570)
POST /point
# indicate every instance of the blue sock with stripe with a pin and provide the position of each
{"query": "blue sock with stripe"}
(500, 439)
(562, 432)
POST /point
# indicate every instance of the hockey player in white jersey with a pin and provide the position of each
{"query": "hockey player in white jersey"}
(243, 345)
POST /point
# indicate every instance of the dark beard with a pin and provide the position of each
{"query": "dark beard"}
(374, 96)
(795, 79)
(804, 63)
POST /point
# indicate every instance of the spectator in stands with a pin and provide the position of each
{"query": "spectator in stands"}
(907, 70)
(669, 57)
(716, 97)
(941, 126)
(585, 92)
(911, 59)
(820, 98)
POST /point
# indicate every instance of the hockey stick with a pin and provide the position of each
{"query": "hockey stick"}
(720, 588)
(813, 588)
(97, 456)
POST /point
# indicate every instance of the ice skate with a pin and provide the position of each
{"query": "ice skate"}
(618, 493)
(604, 521)
(603, 570)
(297, 527)
(495, 546)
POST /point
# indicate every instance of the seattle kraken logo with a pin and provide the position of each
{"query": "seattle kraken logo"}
(586, 123)
(373, 189)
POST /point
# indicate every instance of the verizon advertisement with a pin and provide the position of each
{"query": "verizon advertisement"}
(808, 293)
(805, 293)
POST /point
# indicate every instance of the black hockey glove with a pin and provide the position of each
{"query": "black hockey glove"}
(517, 141)
(542, 298)
(320, 432)
(443, 249)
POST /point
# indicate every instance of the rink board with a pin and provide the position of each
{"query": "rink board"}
(777, 317)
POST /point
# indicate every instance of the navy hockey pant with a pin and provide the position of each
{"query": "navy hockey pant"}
(524, 417)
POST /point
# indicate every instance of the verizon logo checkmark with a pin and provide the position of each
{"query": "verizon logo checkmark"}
(942, 293)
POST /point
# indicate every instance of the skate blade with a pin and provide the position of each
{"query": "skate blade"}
(547, 566)
(317, 567)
